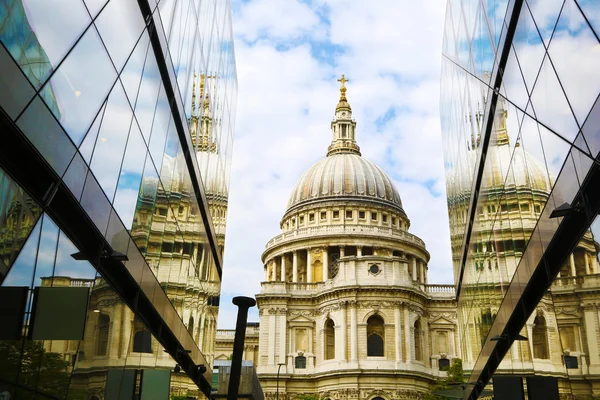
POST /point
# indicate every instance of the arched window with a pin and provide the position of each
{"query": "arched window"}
(191, 326)
(102, 335)
(540, 338)
(418, 333)
(375, 336)
(329, 340)
(142, 342)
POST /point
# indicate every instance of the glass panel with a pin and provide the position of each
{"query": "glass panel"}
(132, 73)
(78, 95)
(120, 25)
(39, 38)
(590, 10)
(574, 53)
(112, 138)
(74, 178)
(131, 176)
(545, 14)
(47, 136)
(95, 203)
(21, 272)
(18, 215)
(549, 103)
(15, 91)
(145, 105)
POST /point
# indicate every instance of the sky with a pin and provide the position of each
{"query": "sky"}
(289, 55)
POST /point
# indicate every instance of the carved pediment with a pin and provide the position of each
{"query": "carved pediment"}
(441, 320)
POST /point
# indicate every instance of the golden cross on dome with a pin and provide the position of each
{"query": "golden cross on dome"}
(343, 80)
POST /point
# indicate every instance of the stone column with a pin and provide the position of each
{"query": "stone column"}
(202, 330)
(414, 268)
(530, 341)
(358, 251)
(426, 350)
(266, 272)
(353, 333)
(594, 264)
(589, 315)
(397, 336)
(325, 264)
(295, 266)
(572, 264)
(271, 343)
(116, 319)
(283, 268)
(342, 251)
(282, 332)
(127, 331)
(341, 349)
(407, 334)
(587, 263)
(273, 270)
(422, 272)
(309, 270)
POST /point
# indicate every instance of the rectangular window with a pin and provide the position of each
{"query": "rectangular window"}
(167, 247)
(361, 214)
(336, 214)
(393, 221)
(311, 217)
(301, 219)
(524, 206)
(384, 217)
(343, 131)
(504, 207)
(536, 208)
(348, 214)
(373, 216)
(323, 215)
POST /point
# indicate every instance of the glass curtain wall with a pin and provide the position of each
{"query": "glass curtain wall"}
(519, 113)
(131, 105)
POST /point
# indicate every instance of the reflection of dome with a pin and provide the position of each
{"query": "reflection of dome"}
(525, 170)
(345, 175)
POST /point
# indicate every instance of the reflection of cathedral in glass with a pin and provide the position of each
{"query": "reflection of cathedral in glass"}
(509, 163)
(111, 250)
(515, 189)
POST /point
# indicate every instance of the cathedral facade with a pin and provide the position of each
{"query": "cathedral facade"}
(345, 307)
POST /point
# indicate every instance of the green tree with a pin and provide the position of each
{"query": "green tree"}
(28, 362)
(453, 379)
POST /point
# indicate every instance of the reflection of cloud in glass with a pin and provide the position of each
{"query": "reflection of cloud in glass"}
(86, 70)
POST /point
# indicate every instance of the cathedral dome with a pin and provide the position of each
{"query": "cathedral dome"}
(522, 170)
(345, 176)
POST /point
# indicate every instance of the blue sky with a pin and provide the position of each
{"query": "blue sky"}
(289, 55)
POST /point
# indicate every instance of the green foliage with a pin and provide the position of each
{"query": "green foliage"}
(454, 378)
(33, 366)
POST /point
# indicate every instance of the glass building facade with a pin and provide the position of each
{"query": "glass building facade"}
(117, 121)
(520, 124)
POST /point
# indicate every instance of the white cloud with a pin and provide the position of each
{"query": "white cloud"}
(287, 69)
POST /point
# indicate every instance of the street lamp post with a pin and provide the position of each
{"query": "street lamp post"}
(278, 369)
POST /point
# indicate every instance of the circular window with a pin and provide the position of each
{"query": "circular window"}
(374, 269)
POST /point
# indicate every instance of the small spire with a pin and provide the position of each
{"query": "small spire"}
(343, 80)
(343, 127)
(194, 95)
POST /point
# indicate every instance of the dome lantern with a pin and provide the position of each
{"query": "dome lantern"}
(343, 127)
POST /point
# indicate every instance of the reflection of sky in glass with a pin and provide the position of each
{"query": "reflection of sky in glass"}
(81, 84)
(21, 272)
(21, 41)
